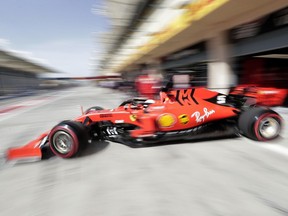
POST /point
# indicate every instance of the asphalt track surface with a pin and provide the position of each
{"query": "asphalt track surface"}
(232, 176)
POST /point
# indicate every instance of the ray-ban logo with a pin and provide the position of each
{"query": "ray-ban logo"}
(203, 117)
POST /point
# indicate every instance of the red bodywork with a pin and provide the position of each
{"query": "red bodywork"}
(175, 110)
(264, 96)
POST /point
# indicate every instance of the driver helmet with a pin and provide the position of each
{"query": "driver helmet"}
(148, 102)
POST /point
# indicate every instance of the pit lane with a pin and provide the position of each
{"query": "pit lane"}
(232, 176)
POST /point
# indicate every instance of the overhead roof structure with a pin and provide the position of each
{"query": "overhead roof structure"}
(11, 60)
(125, 16)
(169, 27)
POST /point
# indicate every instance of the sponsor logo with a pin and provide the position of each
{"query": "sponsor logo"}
(106, 115)
(183, 119)
(133, 117)
(119, 121)
(203, 117)
(166, 120)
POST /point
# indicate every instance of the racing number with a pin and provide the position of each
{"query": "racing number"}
(221, 99)
(185, 97)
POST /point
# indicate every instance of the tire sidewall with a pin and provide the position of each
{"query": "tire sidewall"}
(79, 135)
(258, 121)
(75, 146)
(249, 121)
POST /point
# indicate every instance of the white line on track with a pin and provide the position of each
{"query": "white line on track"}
(29, 108)
(276, 148)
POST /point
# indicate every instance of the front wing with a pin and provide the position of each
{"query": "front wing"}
(29, 152)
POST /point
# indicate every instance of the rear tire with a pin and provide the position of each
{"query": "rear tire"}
(260, 124)
(68, 138)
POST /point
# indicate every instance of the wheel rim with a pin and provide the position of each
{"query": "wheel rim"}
(63, 142)
(269, 127)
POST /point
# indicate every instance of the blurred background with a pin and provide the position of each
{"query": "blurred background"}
(59, 55)
(217, 44)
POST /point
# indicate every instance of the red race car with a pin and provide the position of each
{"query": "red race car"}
(179, 114)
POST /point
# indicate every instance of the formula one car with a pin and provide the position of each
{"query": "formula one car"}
(179, 114)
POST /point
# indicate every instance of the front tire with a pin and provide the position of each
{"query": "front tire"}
(260, 124)
(67, 139)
